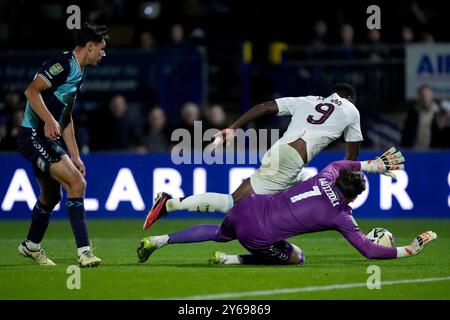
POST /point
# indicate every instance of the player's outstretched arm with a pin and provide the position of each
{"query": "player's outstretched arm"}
(352, 150)
(360, 242)
(269, 107)
(416, 245)
(384, 164)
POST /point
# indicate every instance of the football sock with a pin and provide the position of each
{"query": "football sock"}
(77, 217)
(198, 233)
(206, 202)
(81, 250)
(32, 246)
(40, 218)
(232, 259)
(161, 241)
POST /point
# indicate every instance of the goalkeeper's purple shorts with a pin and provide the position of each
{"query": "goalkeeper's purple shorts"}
(240, 223)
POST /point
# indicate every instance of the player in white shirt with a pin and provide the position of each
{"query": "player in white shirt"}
(316, 122)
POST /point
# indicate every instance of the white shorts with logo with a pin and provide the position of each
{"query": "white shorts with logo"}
(280, 168)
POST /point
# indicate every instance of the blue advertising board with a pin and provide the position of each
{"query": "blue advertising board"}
(428, 64)
(122, 185)
(169, 77)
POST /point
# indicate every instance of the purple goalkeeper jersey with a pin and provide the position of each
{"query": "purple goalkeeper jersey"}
(314, 205)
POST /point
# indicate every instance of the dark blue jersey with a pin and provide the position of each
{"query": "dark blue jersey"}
(64, 77)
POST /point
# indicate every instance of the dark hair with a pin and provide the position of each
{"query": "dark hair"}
(350, 183)
(423, 87)
(345, 90)
(91, 32)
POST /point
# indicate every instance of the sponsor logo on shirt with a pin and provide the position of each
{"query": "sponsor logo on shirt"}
(56, 69)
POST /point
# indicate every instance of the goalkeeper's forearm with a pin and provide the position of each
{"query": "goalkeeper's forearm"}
(372, 166)
(405, 252)
(366, 166)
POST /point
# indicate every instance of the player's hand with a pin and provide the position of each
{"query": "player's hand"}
(52, 129)
(226, 135)
(384, 164)
(80, 165)
(420, 242)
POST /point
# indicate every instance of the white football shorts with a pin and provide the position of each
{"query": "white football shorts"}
(280, 168)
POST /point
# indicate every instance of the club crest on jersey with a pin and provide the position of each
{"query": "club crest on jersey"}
(55, 69)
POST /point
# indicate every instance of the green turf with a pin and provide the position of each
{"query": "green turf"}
(182, 270)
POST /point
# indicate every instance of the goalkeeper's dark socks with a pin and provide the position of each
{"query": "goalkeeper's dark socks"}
(40, 218)
(77, 217)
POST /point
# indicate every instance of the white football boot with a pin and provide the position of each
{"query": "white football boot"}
(39, 255)
(87, 259)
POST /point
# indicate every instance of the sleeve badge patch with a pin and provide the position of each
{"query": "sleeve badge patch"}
(56, 69)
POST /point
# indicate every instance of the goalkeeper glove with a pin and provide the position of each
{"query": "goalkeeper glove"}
(417, 245)
(390, 160)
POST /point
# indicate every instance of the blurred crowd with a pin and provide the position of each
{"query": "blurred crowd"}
(121, 123)
(116, 126)
(144, 22)
(347, 46)
(119, 127)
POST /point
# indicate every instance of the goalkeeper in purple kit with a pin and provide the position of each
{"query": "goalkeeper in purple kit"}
(262, 223)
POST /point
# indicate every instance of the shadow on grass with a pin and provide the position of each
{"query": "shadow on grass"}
(315, 261)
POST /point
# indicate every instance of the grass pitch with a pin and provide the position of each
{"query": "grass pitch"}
(182, 271)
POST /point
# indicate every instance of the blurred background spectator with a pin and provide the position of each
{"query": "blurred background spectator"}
(120, 126)
(10, 111)
(377, 50)
(318, 45)
(215, 117)
(178, 43)
(177, 33)
(9, 140)
(155, 137)
(190, 113)
(407, 35)
(441, 127)
(426, 37)
(147, 40)
(346, 50)
(13, 101)
(417, 132)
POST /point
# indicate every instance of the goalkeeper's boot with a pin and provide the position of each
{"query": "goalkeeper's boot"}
(158, 210)
(39, 255)
(146, 248)
(88, 259)
(218, 258)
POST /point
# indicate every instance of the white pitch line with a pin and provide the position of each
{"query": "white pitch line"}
(303, 289)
